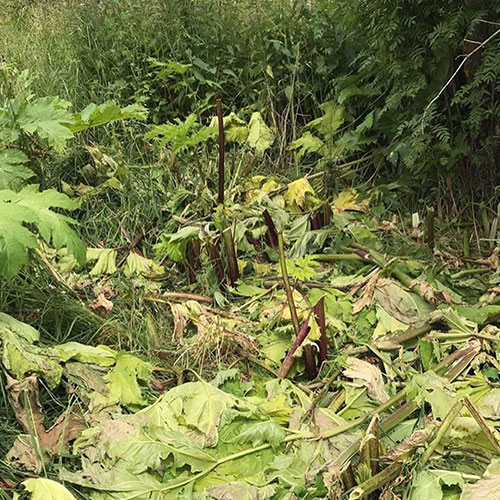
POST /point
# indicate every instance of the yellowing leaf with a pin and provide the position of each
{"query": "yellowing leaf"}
(297, 191)
(106, 260)
(347, 201)
(260, 136)
(138, 265)
(46, 489)
(124, 380)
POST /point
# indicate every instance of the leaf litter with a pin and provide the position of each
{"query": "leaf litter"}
(391, 379)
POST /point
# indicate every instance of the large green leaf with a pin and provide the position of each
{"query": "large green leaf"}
(34, 207)
(49, 118)
(13, 171)
(96, 115)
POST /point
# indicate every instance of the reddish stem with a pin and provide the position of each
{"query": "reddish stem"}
(299, 339)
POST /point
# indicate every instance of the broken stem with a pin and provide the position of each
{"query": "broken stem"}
(443, 429)
(286, 284)
(482, 423)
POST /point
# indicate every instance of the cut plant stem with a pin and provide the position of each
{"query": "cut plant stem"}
(482, 423)
(376, 482)
(286, 284)
(370, 445)
(220, 197)
(299, 339)
(232, 260)
(443, 429)
(319, 311)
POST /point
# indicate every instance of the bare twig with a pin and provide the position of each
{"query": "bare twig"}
(455, 73)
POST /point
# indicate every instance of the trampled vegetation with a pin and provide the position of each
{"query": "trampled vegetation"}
(249, 250)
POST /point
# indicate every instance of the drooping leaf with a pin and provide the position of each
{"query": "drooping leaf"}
(124, 381)
(260, 136)
(96, 115)
(136, 265)
(31, 206)
(46, 489)
(105, 261)
(297, 192)
(100, 356)
(369, 376)
(308, 143)
(49, 118)
(13, 171)
(21, 357)
(487, 488)
(235, 129)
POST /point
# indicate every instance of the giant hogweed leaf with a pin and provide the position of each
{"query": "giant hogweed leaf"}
(96, 115)
(124, 380)
(153, 446)
(137, 265)
(13, 171)
(117, 483)
(19, 328)
(260, 136)
(259, 433)
(297, 192)
(197, 405)
(182, 134)
(308, 143)
(241, 490)
(429, 484)
(20, 356)
(105, 261)
(235, 129)
(100, 355)
(367, 375)
(433, 389)
(46, 489)
(49, 118)
(31, 206)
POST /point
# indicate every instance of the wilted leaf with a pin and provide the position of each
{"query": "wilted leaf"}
(124, 381)
(348, 201)
(260, 136)
(297, 192)
(106, 260)
(241, 491)
(367, 375)
(136, 265)
(429, 484)
(102, 305)
(46, 489)
(487, 488)
(100, 356)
